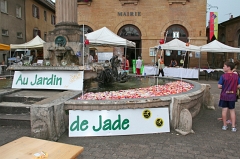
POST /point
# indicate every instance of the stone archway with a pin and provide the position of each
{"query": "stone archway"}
(176, 22)
(181, 33)
(132, 33)
(87, 29)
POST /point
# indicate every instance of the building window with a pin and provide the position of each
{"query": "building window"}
(45, 36)
(36, 32)
(87, 29)
(176, 31)
(18, 12)
(4, 32)
(3, 6)
(35, 11)
(53, 19)
(130, 32)
(19, 35)
(45, 15)
(223, 38)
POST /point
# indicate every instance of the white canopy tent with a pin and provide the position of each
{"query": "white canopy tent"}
(105, 37)
(36, 42)
(216, 46)
(176, 44)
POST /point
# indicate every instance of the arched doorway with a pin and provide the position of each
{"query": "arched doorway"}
(179, 32)
(132, 33)
(87, 29)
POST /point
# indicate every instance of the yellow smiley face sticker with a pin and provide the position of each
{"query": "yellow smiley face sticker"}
(159, 122)
(147, 114)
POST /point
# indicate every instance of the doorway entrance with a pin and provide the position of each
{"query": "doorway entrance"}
(132, 33)
(180, 32)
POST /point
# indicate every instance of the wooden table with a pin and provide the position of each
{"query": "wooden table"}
(26, 147)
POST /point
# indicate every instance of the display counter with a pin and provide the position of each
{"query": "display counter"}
(150, 70)
(172, 72)
(181, 72)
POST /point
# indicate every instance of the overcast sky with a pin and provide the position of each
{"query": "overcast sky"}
(225, 9)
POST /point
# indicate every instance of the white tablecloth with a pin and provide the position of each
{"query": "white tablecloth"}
(171, 72)
(180, 72)
(211, 70)
(150, 70)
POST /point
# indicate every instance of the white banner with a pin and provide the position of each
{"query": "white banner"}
(65, 80)
(118, 122)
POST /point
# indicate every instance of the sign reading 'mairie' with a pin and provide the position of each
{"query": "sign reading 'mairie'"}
(65, 80)
(118, 122)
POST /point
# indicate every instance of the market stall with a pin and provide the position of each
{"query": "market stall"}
(176, 44)
(106, 38)
(216, 46)
(4, 47)
(35, 43)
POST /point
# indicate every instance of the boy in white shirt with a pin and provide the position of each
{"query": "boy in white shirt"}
(138, 65)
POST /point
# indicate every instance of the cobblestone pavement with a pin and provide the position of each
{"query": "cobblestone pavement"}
(208, 141)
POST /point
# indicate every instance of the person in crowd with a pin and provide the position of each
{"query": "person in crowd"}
(138, 65)
(125, 63)
(229, 82)
(236, 63)
(107, 63)
(3, 62)
(161, 66)
(95, 58)
(90, 58)
(173, 63)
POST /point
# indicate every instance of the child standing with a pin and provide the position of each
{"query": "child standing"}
(138, 65)
(161, 66)
(229, 82)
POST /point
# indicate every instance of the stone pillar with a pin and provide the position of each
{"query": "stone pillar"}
(66, 11)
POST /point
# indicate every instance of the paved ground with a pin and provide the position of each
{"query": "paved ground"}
(208, 141)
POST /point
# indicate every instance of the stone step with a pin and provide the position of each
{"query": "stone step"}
(14, 108)
(15, 119)
(22, 99)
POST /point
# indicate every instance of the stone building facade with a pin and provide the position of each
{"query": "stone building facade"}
(40, 18)
(146, 22)
(22, 20)
(12, 24)
(229, 34)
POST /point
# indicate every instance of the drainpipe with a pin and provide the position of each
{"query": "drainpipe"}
(25, 19)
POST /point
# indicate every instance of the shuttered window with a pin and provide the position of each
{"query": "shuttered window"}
(18, 12)
(3, 5)
(53, 20)
(36, 32)
(35, 11)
